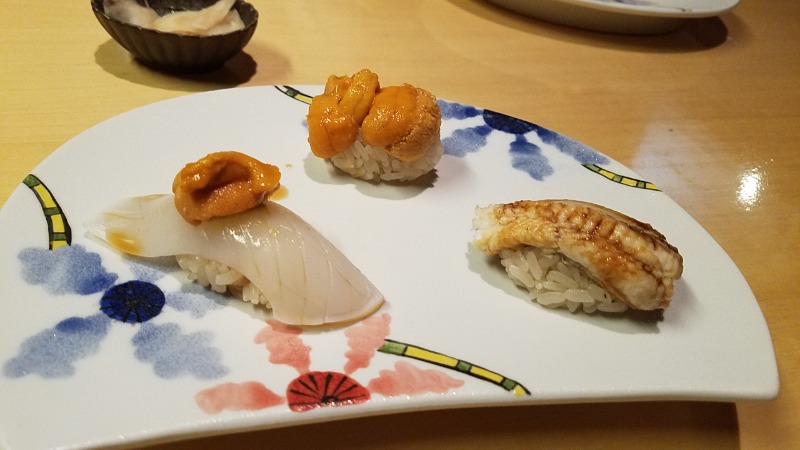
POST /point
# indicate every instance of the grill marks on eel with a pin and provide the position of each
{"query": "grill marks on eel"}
(629, 258)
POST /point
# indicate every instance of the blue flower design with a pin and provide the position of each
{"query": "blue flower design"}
(65, 270)
(52, 352)
(525, 155)
(173, 353)
(133, 301)
(71, 269)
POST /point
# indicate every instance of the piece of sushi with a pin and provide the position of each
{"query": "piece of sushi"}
(578, 255)
(223, 230)
(374, 133)
(268, 255)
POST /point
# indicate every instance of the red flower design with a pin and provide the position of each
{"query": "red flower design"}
(319, 389)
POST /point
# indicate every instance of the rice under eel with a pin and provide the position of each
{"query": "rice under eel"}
(629, 259)
(304, 278)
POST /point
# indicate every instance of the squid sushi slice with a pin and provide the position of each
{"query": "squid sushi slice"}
(266, 254)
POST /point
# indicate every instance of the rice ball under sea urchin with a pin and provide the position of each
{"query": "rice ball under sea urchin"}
(374, 133)
(578, 255)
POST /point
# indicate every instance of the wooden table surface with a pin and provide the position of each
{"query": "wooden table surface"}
(710, 113)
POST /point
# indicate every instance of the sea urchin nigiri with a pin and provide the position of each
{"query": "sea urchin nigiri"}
(265, 253)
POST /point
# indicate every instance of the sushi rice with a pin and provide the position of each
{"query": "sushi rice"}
(555, 281)
(221, 278)
(372, 163)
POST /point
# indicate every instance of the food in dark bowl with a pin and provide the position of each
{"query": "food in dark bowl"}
(189, 36)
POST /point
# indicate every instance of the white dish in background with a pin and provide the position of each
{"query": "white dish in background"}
(620, 16)
(73, 377)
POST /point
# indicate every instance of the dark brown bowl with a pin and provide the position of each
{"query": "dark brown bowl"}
(176, 52)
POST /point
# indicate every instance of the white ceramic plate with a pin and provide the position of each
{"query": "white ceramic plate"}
(620, 16)
(72, 376)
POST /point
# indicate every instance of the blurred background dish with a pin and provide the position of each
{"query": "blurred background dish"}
(179, 52)
(619, 16)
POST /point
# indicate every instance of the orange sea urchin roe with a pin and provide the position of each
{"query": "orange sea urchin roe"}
(335, 116)
(403, 120)
(222, 184)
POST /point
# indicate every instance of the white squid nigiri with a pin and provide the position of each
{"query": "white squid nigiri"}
(306, 280)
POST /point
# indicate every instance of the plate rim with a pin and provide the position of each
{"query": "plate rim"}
(678, 395)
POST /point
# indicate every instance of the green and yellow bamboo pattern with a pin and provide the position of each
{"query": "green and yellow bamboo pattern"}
(411, 351)
(58, 229)
(621, 179)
